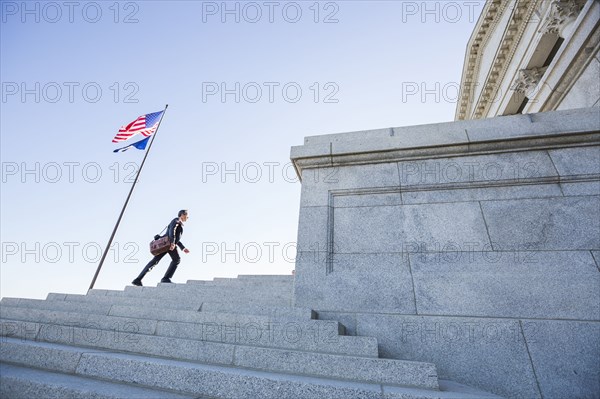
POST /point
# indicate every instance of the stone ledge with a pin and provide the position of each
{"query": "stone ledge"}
(547, 130)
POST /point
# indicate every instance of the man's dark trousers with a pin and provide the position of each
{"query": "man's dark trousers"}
(175, 260)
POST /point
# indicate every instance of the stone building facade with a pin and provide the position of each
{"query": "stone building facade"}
(528, 56)
(473, 244)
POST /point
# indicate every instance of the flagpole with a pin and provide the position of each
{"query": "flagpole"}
(127, 201)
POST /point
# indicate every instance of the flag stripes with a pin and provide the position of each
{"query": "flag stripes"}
(145, 125)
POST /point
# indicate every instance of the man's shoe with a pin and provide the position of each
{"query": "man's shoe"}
(165, 280)
(137, 282)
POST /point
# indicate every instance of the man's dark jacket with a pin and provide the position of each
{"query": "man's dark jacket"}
(174, 231)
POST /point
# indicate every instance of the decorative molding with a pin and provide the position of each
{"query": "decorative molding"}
(529, 143)
(546, 130)
(520, 18)
(451, 186)
(471, 184)
(561, 13)
(522, 11)
(485, 27)
(528, 80)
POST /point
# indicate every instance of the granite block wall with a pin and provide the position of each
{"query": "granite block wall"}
(479, 253)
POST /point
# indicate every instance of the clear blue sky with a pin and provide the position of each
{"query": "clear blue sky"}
(73, 74)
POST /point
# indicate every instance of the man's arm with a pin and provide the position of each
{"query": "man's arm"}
(171, 230)
(183, 248)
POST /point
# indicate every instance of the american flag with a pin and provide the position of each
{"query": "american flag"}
(144, 125)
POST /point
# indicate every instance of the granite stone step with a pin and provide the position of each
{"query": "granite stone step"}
(118, 340)
(260, 293)
(26, 383)
(133, 301)
(143, 316)
(239, 282)
(174, 294)
(201, 379)
(353, 368)
(151, 312)
(250, 308)
(266, 277)
(103, 292)
(257, 277)
(231, 288)
(212, 294)
(371, 370)
(82, 307)
(310, 335)
(203, 316)
(226, 307)
(215, 280)
(120, 299)
(249, 279)
(286, 335)
(102, 322)
(208, 288)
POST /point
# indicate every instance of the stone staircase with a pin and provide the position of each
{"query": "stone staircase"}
(226, 338)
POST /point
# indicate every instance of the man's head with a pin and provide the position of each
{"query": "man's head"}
(183, 214)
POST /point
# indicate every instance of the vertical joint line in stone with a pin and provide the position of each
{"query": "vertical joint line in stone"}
(331, 153)
(487, 230)
(78, 363)
(537, 382)
(233, 361)
(39, 331)
(595, 260)
(329, 254)
(412, 279)
(399, 183)
(557, 173)
(468, 138)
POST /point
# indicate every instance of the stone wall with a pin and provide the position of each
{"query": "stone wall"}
(474, 245)
(585, 91)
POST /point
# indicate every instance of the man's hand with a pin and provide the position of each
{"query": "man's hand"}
(187, 251)
(172, 247)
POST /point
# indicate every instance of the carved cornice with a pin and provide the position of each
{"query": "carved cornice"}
(479, 89)
(485, 27)
(522, 11)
